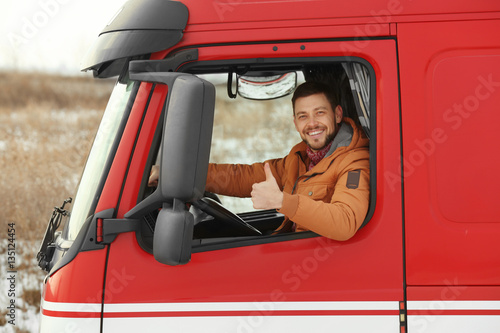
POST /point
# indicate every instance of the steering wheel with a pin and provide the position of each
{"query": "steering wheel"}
(224, 223)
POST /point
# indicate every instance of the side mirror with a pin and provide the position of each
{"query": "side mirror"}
(187, 137)
(173, 235)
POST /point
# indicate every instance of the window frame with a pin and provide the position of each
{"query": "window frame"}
(292, 63)
(125, 113)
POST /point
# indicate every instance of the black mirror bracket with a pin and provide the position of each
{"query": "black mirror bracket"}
(169, 64)
(108, 229)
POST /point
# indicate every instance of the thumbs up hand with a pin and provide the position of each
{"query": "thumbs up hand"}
(267, 194)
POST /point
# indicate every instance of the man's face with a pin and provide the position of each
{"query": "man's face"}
(316, 121)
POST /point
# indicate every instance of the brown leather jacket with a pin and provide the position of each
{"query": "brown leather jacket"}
(331, 199)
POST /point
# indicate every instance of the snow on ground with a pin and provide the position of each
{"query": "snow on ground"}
(19, 286)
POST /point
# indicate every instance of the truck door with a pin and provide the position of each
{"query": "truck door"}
(450, 85)
(291, 282)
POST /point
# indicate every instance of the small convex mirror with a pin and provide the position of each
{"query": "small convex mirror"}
(266, 87)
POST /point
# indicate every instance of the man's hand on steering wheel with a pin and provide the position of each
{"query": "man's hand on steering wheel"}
(154, 176)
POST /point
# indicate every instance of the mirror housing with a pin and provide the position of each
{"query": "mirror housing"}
(187, 138)
(185, 152)
(173, 235)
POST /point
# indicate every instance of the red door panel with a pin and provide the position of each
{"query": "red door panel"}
(450, 92)
(354, 283)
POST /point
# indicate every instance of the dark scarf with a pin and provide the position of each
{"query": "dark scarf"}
(315, 157)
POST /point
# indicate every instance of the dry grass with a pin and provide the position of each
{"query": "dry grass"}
(47, 124)
(32, 297)
(44, 91)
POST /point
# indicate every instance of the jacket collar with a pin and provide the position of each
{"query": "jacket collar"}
(342, 139)
(350, 136)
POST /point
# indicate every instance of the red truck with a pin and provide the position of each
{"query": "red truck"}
(421, 77)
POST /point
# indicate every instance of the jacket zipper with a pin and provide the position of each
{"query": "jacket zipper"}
(301, 176)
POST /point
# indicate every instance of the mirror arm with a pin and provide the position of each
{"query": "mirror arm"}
(113, 227)
(170, 64)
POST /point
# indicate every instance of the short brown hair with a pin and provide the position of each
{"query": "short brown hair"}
(311, 88)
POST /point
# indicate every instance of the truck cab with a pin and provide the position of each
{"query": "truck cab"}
(202, 82)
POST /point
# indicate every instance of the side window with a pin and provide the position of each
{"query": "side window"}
(247, 131)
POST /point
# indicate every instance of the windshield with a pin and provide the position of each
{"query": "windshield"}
(96, 162)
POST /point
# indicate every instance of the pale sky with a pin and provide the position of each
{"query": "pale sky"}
(51, 35)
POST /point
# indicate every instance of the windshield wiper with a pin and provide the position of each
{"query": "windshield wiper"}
(46, 251)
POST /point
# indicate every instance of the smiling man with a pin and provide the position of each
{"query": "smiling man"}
(322, 185)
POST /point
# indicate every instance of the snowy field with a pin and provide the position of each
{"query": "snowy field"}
(47, 125)
(46, 128)
(20, 286)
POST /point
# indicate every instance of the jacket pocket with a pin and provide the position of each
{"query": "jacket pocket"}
(318, 192)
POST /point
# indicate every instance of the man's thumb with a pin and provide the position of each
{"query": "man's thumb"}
(269, 174)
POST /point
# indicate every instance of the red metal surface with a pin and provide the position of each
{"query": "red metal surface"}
(301, 270)
(450, 92)
(81, 281)
(210, 15)
(111, 191)
(451, 291)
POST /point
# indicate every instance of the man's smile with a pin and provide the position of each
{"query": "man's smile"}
(315, 132)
